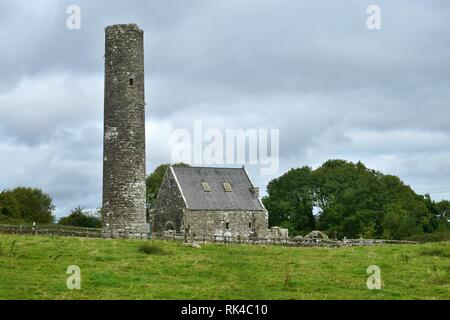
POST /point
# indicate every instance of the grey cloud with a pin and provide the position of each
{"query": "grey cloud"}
(313, 70)
(37, 107)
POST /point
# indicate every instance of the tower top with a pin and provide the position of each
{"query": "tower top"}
(129, 26)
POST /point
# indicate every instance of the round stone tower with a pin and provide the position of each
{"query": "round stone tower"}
(124, 133)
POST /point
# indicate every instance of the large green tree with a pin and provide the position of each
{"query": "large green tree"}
(290, 201)
(27, 205)
(350, 198)
(9, 207)
(407, 213)
(351, 201)
(443, 211)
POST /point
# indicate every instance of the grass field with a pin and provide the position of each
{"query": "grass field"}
(35, 268)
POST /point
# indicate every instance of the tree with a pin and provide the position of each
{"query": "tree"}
(353, 201)
(350, 197)
(290, 201)
(406, 209)
(9, 207)
(440, 220)
(443, 206)
(79, 218)
(28, 205)
(443, 212)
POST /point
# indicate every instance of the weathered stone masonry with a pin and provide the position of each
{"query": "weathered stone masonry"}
(246, 224)
(169, 206)
(124, 133)
(182, 205)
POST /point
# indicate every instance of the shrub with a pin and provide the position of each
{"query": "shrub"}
(79, 218)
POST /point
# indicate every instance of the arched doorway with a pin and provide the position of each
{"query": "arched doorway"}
(170, 226)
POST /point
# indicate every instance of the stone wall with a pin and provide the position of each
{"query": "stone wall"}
(227, 223)
(169, 205)
(124, 132)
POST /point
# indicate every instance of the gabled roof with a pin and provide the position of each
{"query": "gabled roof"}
(190, 180)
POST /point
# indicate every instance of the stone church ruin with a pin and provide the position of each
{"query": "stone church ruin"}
(209, 201)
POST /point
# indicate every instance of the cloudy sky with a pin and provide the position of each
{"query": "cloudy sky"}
(311, 69)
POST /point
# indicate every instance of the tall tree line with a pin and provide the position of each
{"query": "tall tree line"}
(348, 199)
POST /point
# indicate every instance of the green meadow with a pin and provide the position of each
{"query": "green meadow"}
(35, 268)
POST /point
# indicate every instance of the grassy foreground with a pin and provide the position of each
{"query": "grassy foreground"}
(35, 268)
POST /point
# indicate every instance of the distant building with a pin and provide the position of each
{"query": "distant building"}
(209, 201)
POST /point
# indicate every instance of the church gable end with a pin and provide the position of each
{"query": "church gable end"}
(169, 205)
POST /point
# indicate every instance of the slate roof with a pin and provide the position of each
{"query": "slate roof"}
(242, 198)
